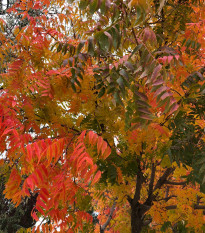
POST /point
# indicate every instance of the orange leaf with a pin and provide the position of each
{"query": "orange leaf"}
(96, 178)
(33, 214)
(99, 144)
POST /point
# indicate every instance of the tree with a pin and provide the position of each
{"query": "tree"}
(102, 111)
(11, 218)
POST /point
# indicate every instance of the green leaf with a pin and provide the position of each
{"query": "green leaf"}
(129, 65)
(65, 48)
(156, 72)
(103, 7)
(70, 60)
(59, 47)
(109, 39)
(136, 49)
(120, 81)
(73, 85)
(80, 46)
(139, 15)
(78, 83)
(83, 4)
(124, 74)
(91, 49)
(188, 43)
(165, 226)
(170, 155)
(111, 88)
(93, 6)
(116, 37)
(147, 117)
(118, 99)
(102, 40)
(101, 93)
(80, 76)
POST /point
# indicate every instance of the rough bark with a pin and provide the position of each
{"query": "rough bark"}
(103, 227)
(136, 219)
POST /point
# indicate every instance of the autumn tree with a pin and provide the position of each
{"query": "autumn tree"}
(102, 113)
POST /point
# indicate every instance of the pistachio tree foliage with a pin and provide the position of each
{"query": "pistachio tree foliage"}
(102, 115)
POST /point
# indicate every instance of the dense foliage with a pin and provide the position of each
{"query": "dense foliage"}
(102, 116)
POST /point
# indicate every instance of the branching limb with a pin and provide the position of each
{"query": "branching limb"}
(103, 227)
(167, 198)
(151, 183)
(159, 184)
(139, 181)
(196, 207)
(163, 178)
(199, 207)
(175, 183)
(147, 222)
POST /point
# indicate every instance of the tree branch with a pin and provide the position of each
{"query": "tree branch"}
(139, 182)
(158, 185)
(151, 183)
(199, 207)
(163, 178)
(196, 207)
(171, 207)
(167, 198)
(103, 227)
(147, 222)
(129, 199)
(175, 183)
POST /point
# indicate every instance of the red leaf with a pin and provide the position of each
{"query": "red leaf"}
(33, 214)
(158, 82)
(29, 150)
(147, 117)
(35, 179)
(38, 207)
(165, 95)
(37, 151)
(173, 108)
(107, 152)
(82, 135)
(160, 90)
(90, 134)
(43, 196)
(45, 191)
(169, 58)
(89, 160)
(41, 203)
(39, 175)
(96, 178)
(104, 147)
(44, 170)
(99, 144)
(156, 72)
(30, 183)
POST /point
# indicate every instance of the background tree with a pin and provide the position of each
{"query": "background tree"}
(97, 102)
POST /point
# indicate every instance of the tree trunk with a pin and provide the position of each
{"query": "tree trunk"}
(136, 218)
(1, 6)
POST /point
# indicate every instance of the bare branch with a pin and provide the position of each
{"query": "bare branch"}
(139, 181)
(159, 184)
(171, 207)
(199, 207)
(147, 222)
(151, 183)
(103, 227)
(175, 183)
(196, 207)
(167, 198)
(167, 192)
(129, 199)
(163, 178)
